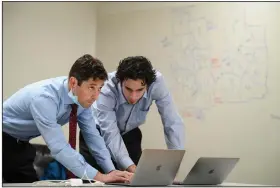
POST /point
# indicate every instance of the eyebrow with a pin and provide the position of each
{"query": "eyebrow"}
(137, 89)
(96, 85)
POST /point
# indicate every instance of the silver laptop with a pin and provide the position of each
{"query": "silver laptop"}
(209, 171)
(156, 167)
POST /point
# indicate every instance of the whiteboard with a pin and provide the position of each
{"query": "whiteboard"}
(221, 65)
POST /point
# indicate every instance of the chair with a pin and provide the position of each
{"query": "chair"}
(42, 159)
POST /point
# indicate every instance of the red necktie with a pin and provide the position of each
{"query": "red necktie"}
(72, 133)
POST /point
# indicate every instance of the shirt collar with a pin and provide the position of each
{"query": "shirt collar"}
(122, 99)
(67, 99)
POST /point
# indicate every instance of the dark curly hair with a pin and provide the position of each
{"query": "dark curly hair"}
(136, 67)
(87, 67)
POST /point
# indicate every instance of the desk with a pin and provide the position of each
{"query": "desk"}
(88, 185)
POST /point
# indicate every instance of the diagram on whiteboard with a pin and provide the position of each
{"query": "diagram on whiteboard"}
(215, 63)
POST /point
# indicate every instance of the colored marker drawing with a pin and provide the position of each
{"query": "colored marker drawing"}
(215, 64)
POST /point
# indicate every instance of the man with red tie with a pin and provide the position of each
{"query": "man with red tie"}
(42, 108)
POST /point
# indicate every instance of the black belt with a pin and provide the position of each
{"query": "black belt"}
(16, 139)
(22, 142)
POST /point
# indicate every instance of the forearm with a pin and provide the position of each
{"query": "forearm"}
(99, 151)
(174, 129)
(118, 150)
(75, 163)
(174, 136)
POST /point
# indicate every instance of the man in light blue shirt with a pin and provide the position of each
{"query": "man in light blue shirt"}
(122, 107)
(42, 108)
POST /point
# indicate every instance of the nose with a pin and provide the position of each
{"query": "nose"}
(133, 96)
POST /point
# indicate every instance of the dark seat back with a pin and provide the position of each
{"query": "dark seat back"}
(42, 159)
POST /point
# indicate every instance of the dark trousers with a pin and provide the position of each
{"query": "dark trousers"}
(18, 158)
(132, 141)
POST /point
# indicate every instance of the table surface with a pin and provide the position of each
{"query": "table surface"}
(227, 184)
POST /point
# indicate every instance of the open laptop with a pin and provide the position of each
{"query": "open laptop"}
(156, 167)
(209, 171)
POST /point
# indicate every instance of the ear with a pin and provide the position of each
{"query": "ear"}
(73, 82)
(143, 83)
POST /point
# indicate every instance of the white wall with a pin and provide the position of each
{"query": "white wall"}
(43, 39)
(181, 39)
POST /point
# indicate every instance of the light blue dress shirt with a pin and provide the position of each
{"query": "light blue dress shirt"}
(42, 108)
(115, 116)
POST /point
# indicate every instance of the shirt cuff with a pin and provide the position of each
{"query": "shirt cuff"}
(108, 166)
(90, 172)
(125, 162)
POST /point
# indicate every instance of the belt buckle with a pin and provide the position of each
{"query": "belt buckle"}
(20, 141)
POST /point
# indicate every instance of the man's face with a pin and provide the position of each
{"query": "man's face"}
(133, 90)
(87, 92)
